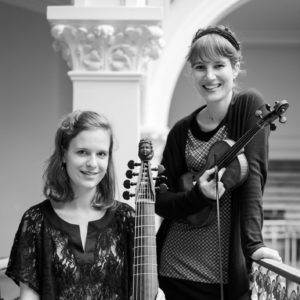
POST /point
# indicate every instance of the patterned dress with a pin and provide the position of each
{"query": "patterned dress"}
(185, 255)
(48, 256)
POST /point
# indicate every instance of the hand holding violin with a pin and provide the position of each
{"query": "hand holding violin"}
(208, 184)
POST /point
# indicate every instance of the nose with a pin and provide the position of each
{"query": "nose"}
(91, 161)
(210, 73)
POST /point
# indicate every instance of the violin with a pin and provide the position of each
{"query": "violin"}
(230, 155)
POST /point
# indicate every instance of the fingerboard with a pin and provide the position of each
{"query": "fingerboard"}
(145, 282)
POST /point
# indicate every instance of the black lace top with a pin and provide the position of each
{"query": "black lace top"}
(48, 256)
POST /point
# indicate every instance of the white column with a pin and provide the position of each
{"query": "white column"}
(107, 49)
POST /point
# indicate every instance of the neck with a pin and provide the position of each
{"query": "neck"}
(216, 111)
(82, 200)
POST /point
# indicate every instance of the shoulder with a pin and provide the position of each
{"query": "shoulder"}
(35, 213)
(250, 97)
(186, 121)
(181, 127)
(245, 103)
(124, 216)
(123, 210)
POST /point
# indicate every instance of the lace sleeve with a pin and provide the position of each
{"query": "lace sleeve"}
(126, 217)
(23, 265)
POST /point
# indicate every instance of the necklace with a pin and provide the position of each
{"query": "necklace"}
(209, 116)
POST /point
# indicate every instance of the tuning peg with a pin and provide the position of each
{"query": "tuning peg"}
(131, 164)
(130, 174)
(272, 126)
(161, 179)
(282, 119)
(127, 195)
(259, 114)
(162, 188)
(268, 107)
(127, 184)
(160, 169)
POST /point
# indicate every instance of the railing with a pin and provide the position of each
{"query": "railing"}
(272, 280)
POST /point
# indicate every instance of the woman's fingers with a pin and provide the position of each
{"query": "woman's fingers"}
(208, 184)
(221, 173)
(207, 175)
(265, 252)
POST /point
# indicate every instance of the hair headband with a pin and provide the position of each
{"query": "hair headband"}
(225, 33)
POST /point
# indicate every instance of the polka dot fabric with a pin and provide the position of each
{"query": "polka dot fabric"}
(192, 253)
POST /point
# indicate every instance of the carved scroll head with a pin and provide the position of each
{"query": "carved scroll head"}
(145, 149)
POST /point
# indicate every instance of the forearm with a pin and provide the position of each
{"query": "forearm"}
(177, 205)
(252, 194)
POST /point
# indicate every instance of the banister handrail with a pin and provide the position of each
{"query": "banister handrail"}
(272, 279)
(281, 269)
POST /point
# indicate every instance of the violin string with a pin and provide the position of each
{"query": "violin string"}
(144, 252)
(141, 234)
(233, 151)
(148, 223)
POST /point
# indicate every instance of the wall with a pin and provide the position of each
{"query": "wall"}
(274, 71)
(34, 93)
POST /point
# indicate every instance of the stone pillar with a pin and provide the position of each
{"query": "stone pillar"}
(107, 45)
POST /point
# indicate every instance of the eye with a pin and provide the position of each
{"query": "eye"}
(102, 154)
(198, 67)
(82, 152)
(219, 65)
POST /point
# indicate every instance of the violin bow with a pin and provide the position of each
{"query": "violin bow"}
(216, 175)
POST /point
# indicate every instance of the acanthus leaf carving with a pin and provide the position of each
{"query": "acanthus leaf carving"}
(105, 48)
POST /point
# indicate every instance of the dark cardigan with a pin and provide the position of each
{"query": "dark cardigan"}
(247, 212)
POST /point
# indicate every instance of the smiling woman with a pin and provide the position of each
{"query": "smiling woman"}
(77, 244)
(203, 255)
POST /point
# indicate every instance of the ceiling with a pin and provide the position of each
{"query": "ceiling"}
(268, 15)
(266, 21)
(254, 15)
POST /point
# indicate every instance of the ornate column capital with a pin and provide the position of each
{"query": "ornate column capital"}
(107, 38)
(107, 46)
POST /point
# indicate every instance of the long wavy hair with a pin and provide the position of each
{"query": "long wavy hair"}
(56, 179)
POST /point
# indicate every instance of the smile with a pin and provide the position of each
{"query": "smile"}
(89, 173)
(211, 87)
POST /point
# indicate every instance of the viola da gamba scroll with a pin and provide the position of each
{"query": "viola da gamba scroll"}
(145, 281)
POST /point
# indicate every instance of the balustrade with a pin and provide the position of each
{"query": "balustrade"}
(272, 280)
